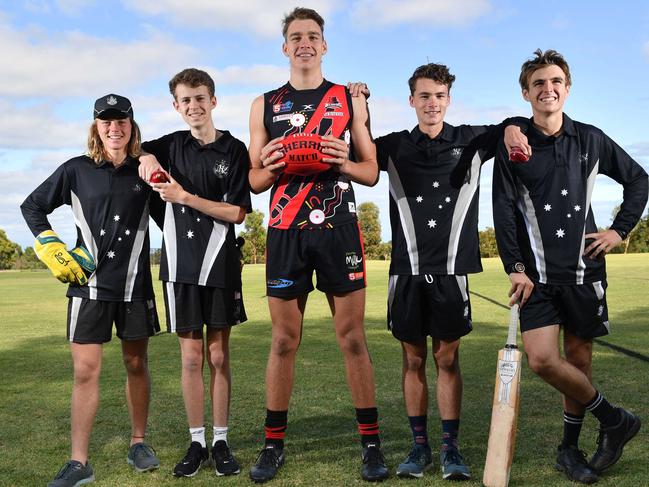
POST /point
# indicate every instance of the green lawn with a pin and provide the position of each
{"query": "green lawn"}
(322, 444)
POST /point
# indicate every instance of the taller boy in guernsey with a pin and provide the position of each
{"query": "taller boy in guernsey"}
(313, 226)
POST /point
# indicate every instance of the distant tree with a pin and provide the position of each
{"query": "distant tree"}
(9, 251)
(254, 250)
(488, 246)
(155, 256)
(368, 217)
(638, 239)
(384, 250)
(28, 260)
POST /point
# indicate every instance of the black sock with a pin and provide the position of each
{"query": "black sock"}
(571, 429)
(606, 414)
(450, 430)
(418, 426)
(368, 425)
(275, 427)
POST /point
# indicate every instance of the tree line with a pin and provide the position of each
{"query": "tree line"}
(13, 256)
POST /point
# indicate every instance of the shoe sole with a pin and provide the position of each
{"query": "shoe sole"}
(406, 475)
(142, 470)
(264, 480)
(189, 475)
(225, 474)
(456, 476)
(563, 469)
(629, 436)
(84, 481)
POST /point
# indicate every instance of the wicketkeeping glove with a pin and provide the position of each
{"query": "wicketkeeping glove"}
(64, 266)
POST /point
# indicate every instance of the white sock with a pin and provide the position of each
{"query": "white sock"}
(198, 434)
(220, 433)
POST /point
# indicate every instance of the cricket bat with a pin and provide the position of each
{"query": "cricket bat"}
(504, 414)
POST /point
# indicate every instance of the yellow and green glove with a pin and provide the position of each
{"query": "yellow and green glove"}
(74, 266)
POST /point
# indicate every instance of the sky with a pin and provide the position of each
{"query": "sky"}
(58, 56)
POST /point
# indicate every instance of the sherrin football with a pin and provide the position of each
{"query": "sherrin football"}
(303, 155)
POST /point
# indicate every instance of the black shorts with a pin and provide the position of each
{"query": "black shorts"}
(91, 321)
(336, 255)
(190, 306)
(429, 305)
(579, 308)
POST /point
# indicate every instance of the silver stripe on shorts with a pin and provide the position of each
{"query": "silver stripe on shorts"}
(171, 302)
(74, 316)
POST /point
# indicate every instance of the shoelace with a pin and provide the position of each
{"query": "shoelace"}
(373, 456)
(415, 454)
(68, 467)
(452, 456)
(142, 450)
(222, 453)
(193, 451)
(268, 457)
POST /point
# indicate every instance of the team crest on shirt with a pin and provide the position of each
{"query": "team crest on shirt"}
(332, 107)
(287, 106)
(137, 187)
(456, 152)
(583, 157)
(221, 168)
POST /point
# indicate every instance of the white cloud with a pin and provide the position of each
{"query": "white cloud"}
(74, 64)
(435, 13)
(257, 16)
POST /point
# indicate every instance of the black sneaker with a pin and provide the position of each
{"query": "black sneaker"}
(612, 439)
(268, 462)
(224, 462)
(572, 462)
(142, 458)
(73, 474)
(193, 460)
(374, 469)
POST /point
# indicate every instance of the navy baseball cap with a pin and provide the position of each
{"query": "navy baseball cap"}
(113, 106)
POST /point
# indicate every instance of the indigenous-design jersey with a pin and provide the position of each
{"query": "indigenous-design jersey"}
(542, 208)
(434, 225)
(323, 200)
(111, 212)
(196, 248)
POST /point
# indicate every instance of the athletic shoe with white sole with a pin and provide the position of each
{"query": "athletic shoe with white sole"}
(419, 459)
(223, 460)
(268, 462)
(453, 466)
(193, 460)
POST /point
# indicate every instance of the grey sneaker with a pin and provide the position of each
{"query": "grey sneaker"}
(142, 458)
(419, 459)
(453, 466)
(73, 474)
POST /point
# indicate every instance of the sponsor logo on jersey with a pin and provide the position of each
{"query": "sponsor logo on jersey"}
(279, 283)
(282, 118)
(353, 261)
(308, 108)
(333, 114)
(352, 207)
(137, 187)
(221, 168)
(287, 106)
(332, 103)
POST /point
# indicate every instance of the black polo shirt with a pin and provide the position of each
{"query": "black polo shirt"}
(111, 212)
(434, 224)
(542, 208)
(199, 249)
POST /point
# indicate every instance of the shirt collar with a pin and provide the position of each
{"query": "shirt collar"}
(221, 144)
(419, 137)
(568, 127)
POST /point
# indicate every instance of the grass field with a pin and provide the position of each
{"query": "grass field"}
(322, 444)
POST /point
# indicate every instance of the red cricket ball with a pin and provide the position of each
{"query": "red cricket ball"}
(159, 177)
(517, 155)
